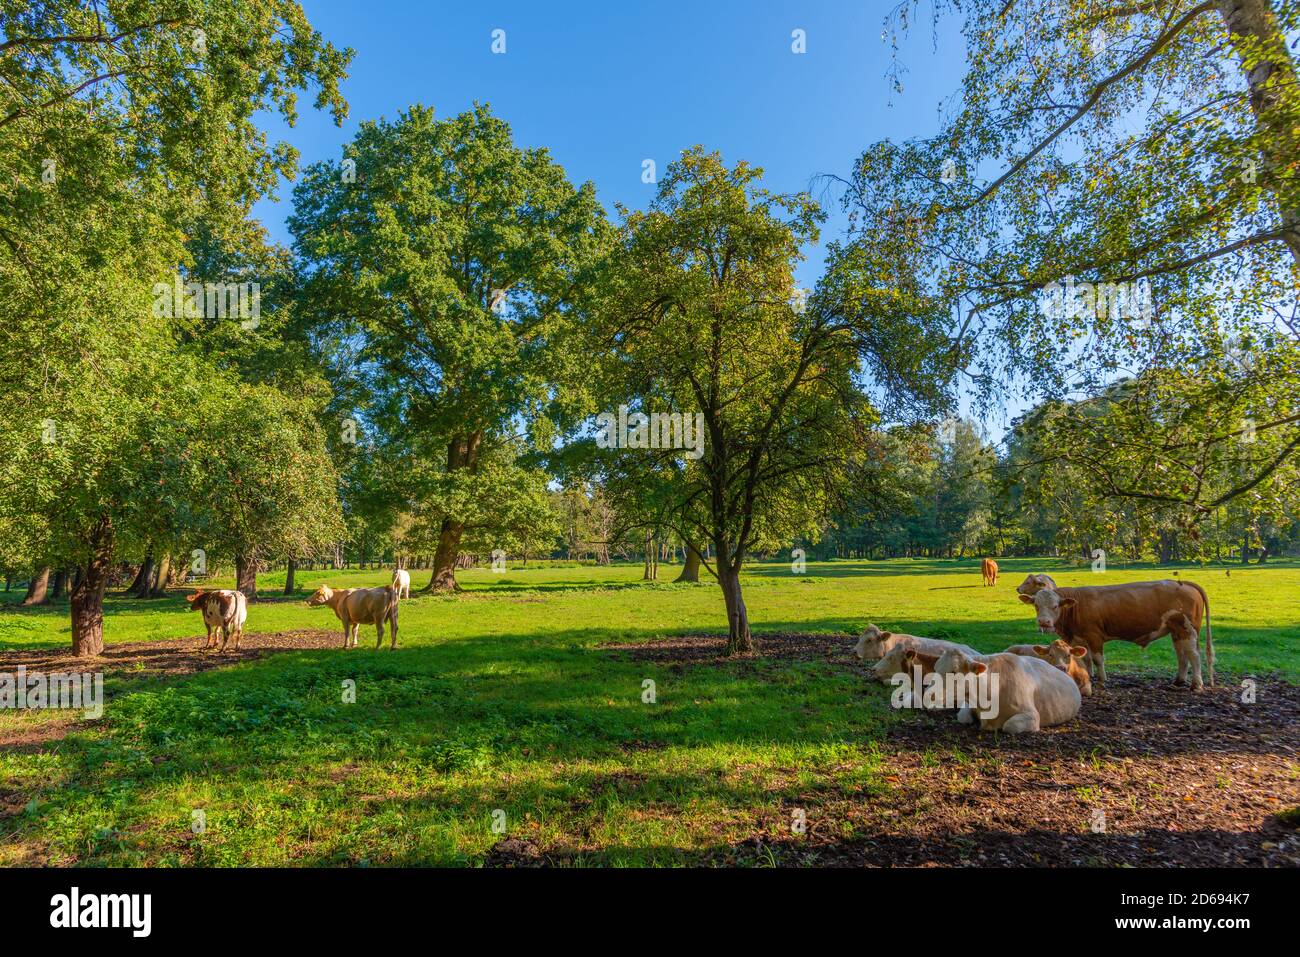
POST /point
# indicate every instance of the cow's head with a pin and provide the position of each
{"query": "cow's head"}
(1066, 656)
(871, 644)
(897, 660)
(1049, 606)
(197, 600)
(954, 662)
(1033, 584)
(321, 596)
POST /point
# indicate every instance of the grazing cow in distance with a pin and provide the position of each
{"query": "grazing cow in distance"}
(989, 570)
(1033, 584)
(1030, 694)
(874, 643)
(1139, 612)
(224, 611)
(1064, 656)
(360, 606)
(402, 581)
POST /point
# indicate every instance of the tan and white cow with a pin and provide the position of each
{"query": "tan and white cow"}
(1139, 612)
(1033, 584)
(1029, 694)
(224, 611)
(874, 643)
(360, 606)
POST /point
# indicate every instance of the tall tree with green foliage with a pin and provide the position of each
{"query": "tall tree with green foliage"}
(454, 255)
(701, 312)
(117, 123)
(1114, 194)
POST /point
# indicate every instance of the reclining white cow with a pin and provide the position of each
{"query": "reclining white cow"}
(874, 643)
(1029, 694)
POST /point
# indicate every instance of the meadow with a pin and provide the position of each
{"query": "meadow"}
(514, 723)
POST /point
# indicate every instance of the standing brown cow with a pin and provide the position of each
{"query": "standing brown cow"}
(1139, 612)
(989, 569)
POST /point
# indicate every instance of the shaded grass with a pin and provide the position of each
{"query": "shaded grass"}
(501, 699)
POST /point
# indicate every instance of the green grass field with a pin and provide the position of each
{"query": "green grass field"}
(501, 699)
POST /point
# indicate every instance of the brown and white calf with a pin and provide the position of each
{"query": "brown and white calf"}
(223, 610)
(989, 571)
(1029, 694)
(874, 643)
(1064, 656)
(1139, 612)
(360, 606)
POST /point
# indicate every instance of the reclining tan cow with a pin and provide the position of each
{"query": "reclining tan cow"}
(874, 643)
(1029, 694)
(224, 611)
(361, 606)
(1139, 612)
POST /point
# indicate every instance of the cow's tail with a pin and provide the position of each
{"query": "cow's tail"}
(1209, 633)
(390, 612)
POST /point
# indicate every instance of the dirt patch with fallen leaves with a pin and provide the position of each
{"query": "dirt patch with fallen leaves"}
(1148, 774)
(168, 658)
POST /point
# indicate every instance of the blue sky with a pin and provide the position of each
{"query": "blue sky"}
(607, 85)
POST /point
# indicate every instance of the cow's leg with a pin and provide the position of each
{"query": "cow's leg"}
(225, 637)
(379, 626)
(1021, 723)
(1184, 636)
(347, 632)
(1099, 663)
(392, 630)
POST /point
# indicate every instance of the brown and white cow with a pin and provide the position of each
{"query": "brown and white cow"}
(1029, 694)
(1139, 612)
(874, 643)
(989, 571)
(360, 606)
(1064, 656)
(223, 610)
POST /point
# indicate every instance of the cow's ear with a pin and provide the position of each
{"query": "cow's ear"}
(1078, 651)
(1027, 599)
(1041, 650)
(978, 668)
(886, 634)
(909, 654)
(1068, 602)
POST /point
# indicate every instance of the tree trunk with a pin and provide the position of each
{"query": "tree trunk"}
(462, 453)
(246, 575)
(289, 588)
(1271, 79)
(691, 567)
(444, 560)
(739, 640)
(158, 588)
(143, 583)
(37, 588)
(60, 584)
(88, 594)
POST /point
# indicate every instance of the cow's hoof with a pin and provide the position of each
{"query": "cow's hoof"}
(1179, 682)
(1197, 689)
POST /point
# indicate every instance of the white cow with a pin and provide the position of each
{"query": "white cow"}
(402, 582)
(875, 643)
(1030, 694)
